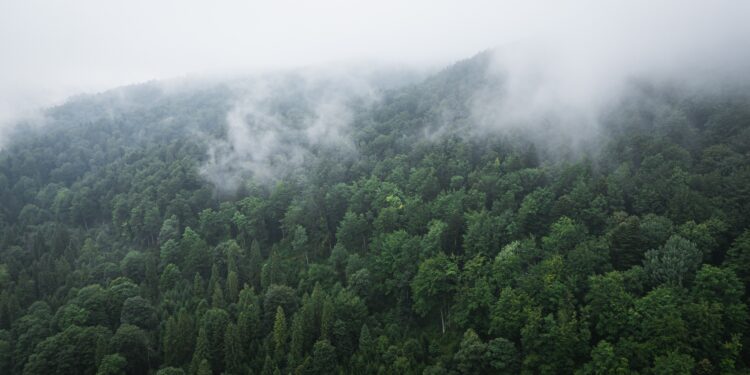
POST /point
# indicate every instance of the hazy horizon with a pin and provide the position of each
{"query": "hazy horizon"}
(55, 50)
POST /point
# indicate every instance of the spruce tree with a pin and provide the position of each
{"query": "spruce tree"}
(279, 333)
(234, 358)
(200, 353)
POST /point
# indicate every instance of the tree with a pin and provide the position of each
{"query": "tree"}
(197, 259)
(396, 264)
(232, 286)
(132, 343)
(279, 333)
(214, 323)
(554, 343)
(170, 371)
(738, 257)
(609, 305)
(533, 215)
(509, 313)
(169, 277)
(248, 319)
(605, 361)
(171, 253)
(201, 352)
(72, 351)
(134, 266)
(481, 237)
(119, 290)
(659, 323)
(563, 236)
(113, 364)
(502, 357)
(179, 339)
(324, 358)
(233, 353)
(269, 366)
(98, 304)
(674, 363)
(217, 298)
(625, 242)
(470, 357)
(204, 368)
(255, 265)
(278, 296)
(138, 312)
(69, 315)
(473, 295)
(674, 263)
(366, 344)
(352, 231)
(433, 286)
(273, 272)
(170, 230)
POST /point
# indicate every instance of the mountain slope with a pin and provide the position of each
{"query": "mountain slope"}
(321, 223)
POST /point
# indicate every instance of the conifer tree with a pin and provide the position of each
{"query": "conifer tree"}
(279, 333)
(200, 354)
(233, 354)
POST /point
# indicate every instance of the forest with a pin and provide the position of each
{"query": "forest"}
(424, 245)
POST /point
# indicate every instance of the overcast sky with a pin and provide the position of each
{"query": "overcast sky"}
(52, 49)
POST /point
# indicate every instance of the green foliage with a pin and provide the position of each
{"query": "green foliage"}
(68, 352)
(234, 357)
(674, 363)
(502, 356)
(201, 352)
(214, 323)
(324, 358)
(138, 312)
(170, 371)
(132, 343)
(605, 361)
(113, 364)
(674, 263)
(467, 251)
(609, 305)
(279, 333)
(433, 285)
(470, 356)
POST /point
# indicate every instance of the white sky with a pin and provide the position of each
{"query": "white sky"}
(52, 49)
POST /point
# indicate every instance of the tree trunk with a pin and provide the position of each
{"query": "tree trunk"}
(442, 319)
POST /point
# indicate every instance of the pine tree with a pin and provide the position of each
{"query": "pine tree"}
(186, 336)
(234, 358)
(248, 319)
(269, 365)
(170, 342)
(215, 278)
(471, 352)
(217, 298)
(297, 345)
(326, 320)
(232, 287)
(279, 333)
(201, 352)
(198, 287)
(255, 265)
(366, 344)
(324, 358)
(204, 368)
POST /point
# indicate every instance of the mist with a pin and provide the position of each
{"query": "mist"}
(279, 121)
(558, 67)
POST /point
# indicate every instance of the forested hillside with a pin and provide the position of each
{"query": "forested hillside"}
(421, 245)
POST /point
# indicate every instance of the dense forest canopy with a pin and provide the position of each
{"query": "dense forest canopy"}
(378, 224)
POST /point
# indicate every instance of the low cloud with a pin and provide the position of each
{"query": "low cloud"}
(279, 121)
